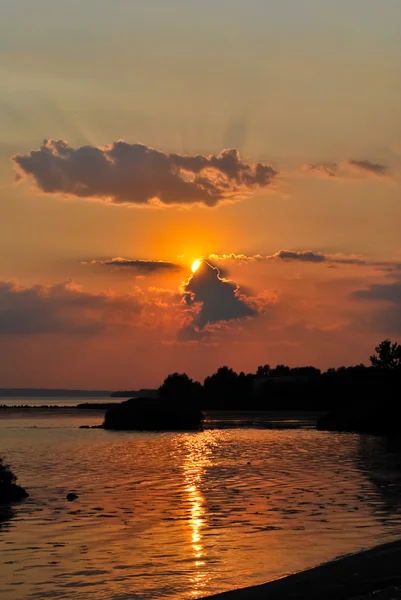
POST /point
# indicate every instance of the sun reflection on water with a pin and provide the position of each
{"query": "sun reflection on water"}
(194, 464)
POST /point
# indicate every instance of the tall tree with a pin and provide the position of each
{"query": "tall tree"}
(179, 388)
(388, 355)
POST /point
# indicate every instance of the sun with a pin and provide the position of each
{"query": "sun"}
(195, 265)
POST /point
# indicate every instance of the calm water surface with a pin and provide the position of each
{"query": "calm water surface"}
(185, 515)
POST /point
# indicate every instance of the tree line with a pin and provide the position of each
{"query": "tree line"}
(288, 388)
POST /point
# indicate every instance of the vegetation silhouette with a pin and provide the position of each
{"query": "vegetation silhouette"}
(176, 409)
(356, 398)
(373, 406)
(388, 355)
(10, 492)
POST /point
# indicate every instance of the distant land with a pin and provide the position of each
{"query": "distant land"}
(50, 393)
(142, 393)
(60, 393)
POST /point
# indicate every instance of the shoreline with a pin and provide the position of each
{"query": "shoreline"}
(373, 573)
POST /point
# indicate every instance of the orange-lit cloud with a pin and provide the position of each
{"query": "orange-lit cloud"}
(136, 174)
(307, 256)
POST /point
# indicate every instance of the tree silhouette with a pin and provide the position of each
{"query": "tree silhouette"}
(388, 355)
(282, 371)
(178, 388)
(263, 371)
(221, 387)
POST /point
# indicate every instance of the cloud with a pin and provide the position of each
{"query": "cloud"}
(386, 319)
(323, 169)
(220, 299)
(136, 174)
(308, 256)
(142, 266)
(389, 292)
(299, 255)
(370, 167)
(61, 309)
(237, 257)
(285, 255)
(347, 169)
(288, 255)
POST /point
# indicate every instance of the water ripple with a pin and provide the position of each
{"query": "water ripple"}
(185, 515)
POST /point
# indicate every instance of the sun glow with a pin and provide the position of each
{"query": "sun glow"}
(195, 265)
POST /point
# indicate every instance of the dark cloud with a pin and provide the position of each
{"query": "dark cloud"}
(220, 299)
(389, 292)
(142, 266)
(386, 319)
(347, 169)
(301, 255)
(370, 167)
(61, 308)
(125, 173)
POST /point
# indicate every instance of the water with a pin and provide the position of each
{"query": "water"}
(184, 515)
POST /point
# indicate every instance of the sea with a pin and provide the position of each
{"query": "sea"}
(185, 515)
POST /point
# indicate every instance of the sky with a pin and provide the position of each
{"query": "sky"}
(262, 138)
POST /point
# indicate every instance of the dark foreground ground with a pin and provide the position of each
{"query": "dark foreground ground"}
(373, 574)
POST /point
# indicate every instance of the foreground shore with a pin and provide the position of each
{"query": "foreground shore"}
(372, 574)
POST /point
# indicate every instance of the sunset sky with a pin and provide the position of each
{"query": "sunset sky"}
(263, 137)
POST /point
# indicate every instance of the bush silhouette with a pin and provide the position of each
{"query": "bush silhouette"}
(7, 477)
(9, 491)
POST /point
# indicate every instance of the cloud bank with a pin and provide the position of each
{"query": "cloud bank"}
(61, 308)
(136, 174)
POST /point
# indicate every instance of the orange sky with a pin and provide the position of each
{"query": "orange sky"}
(150, 102)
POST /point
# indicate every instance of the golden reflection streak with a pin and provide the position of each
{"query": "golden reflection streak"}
(193, 466)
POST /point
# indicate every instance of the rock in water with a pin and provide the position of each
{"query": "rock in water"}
(11, 492)
(146, 414)
(72, 496)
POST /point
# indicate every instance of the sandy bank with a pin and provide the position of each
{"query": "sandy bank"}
(373, 573)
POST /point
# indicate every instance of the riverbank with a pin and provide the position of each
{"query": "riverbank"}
(369, 574)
